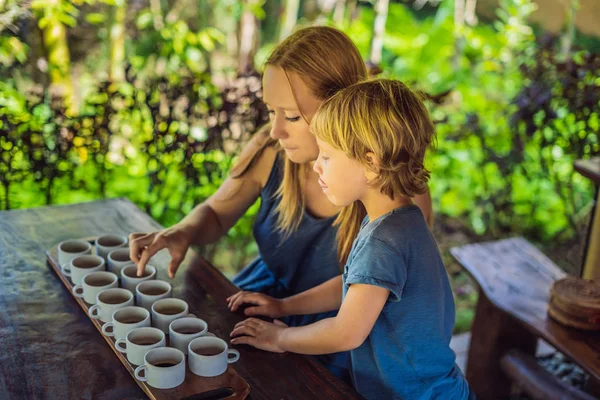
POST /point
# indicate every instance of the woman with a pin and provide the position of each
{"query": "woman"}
(296, 226)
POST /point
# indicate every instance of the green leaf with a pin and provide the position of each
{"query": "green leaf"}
(95, 18)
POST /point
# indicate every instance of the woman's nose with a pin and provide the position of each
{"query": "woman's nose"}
(277, 129)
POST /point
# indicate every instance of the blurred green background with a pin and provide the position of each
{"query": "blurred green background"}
(152, 100)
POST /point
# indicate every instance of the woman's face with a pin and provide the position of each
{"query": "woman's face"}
(288, 126)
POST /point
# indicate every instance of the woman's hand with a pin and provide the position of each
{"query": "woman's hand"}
(142, 246)
(260, 334)
(261, 304)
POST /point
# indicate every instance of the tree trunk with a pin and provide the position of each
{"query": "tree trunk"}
(569, 35)
(157, 17)
(326, 9)
(289, 18)
(116, 71)
(470, 15)
(381, 12)
(459, 40)
(55, 42)
(339, 12)
(248, 38)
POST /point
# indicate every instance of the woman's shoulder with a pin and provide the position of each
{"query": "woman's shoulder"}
(257, 158)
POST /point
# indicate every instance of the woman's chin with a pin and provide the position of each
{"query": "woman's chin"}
(298, 157)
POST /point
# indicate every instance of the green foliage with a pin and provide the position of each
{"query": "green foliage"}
(165, 138)
(511, 118)
(500, 161)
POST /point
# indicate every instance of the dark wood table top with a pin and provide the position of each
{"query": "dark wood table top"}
(589, 168)
(50, 349)
(516, 277)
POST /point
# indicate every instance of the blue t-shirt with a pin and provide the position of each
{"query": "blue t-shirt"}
(407, 355)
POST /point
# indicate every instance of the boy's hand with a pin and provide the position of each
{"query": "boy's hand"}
(260, 334)
(259, 304)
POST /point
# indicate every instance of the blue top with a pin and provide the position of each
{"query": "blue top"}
(285, 267)
(407, 355)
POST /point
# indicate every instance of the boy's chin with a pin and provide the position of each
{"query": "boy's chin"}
(336, 201)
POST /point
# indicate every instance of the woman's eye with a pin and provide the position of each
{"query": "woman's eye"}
(290, 119)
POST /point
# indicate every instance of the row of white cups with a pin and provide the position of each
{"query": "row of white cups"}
(140, 330)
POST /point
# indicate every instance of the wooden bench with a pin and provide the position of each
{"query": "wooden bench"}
(514, 280)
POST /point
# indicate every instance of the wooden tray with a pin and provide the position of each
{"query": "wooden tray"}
(229, 385)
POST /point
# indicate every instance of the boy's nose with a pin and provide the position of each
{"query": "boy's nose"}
(317, 167)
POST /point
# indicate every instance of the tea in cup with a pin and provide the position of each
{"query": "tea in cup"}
(139, 341)
(163, 368)
(109, 301)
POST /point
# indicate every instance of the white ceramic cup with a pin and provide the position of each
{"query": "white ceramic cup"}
(147, 292)
(109, 301)
(163, 368)
(183, 330)
(209, 356)
(126, 319)
(69, 249)
(117, 259)
(80, 266)
(107, 243)
(93, 284)
(138, 342)
(129, 278)
(165, 311)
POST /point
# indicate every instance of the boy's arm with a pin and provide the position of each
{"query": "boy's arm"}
(348, 330)
(325, 297)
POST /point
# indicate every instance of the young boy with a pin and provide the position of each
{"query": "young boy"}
(396, 310)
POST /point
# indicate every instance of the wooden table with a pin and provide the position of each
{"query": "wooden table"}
(50, 349)
(591, 261)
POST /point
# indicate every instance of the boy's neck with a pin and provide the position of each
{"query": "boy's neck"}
(378, 204)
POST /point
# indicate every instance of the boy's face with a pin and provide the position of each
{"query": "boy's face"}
(342, 179)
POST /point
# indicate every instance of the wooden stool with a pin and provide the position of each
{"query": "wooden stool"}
(514, 281)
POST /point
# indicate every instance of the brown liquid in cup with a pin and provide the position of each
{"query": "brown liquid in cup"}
(209, 351)
(115, 300)
(85, 263)
(73, 247)
(153, 291)
(99, 282)
(188, 330)
(120, 257)
(110, 242)
(170, 310)
(165, 364)
(132, 273)
(130, 320)
(144, 341)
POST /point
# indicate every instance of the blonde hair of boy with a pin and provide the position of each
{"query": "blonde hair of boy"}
(386, 118)
(327, 61)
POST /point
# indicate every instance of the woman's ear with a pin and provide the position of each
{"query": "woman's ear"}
(373, 168)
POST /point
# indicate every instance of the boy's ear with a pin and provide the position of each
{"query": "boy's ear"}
(373, 169)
